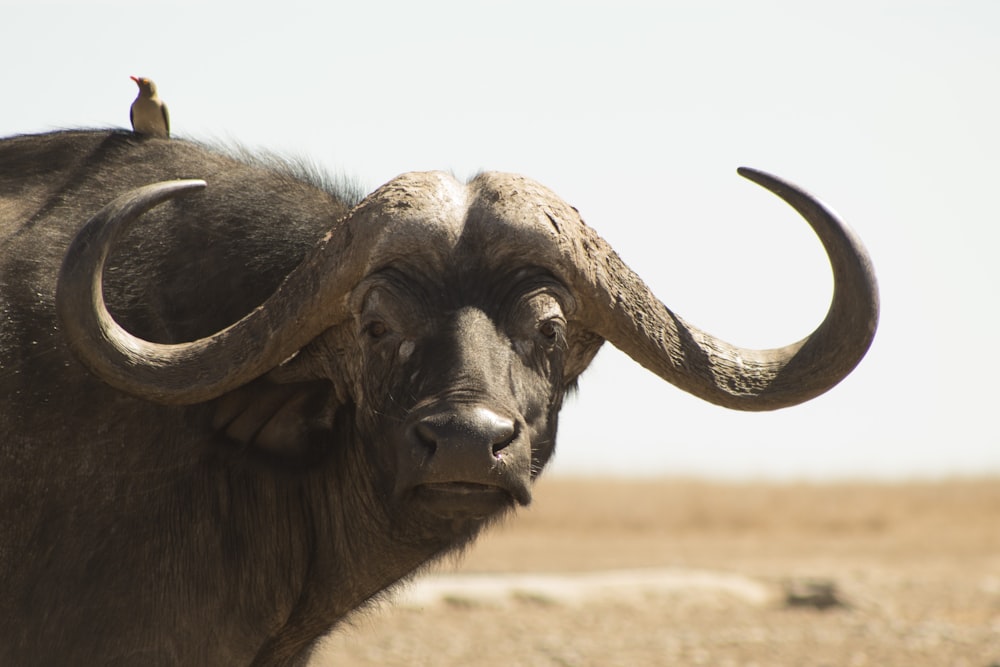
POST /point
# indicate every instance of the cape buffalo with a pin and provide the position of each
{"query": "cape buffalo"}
(231, 424)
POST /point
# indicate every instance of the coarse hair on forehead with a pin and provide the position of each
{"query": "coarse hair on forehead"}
(348, 189)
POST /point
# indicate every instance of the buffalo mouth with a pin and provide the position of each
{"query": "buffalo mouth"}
(465, 500)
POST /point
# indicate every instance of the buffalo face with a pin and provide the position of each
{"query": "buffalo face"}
(462, 382)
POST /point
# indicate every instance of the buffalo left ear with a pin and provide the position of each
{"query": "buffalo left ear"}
(582, 347)
(291, 421)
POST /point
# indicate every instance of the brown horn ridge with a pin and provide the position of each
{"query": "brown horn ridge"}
(310, 299)
(614, 302)
(618, 306)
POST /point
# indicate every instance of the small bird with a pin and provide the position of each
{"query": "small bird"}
(149, 114)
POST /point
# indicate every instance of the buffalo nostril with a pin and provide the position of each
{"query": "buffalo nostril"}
(502, 435)
(427, 434)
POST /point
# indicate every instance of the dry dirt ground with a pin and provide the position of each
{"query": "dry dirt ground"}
(669, 572)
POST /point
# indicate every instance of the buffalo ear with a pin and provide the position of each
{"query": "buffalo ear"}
(291, 421)
(582, 347)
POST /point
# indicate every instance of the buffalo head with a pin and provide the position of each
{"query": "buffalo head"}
(452, 318)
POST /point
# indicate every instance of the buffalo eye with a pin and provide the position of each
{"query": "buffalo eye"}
(550, 329)
(376, 330)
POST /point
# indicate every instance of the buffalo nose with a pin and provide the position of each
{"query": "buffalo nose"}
(472, 432)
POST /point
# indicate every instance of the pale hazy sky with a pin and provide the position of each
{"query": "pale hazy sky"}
(638, 114)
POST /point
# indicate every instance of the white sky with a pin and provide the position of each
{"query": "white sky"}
(637, 113)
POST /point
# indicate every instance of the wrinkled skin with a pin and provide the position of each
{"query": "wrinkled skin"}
(238, 522)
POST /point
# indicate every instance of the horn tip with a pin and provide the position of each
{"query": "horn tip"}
(756, 175)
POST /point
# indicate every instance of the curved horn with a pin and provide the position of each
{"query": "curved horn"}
(304, 305)
(624, 311)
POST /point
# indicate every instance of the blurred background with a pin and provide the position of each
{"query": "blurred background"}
(638, 114)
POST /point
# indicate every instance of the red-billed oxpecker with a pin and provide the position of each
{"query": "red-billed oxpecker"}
(149, 114)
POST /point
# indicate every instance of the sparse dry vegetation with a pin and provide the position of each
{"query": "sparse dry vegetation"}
(914, 569)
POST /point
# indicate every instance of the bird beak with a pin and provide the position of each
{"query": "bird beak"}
(136, 79)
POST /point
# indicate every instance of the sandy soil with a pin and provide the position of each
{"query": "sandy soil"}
(604, 572)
